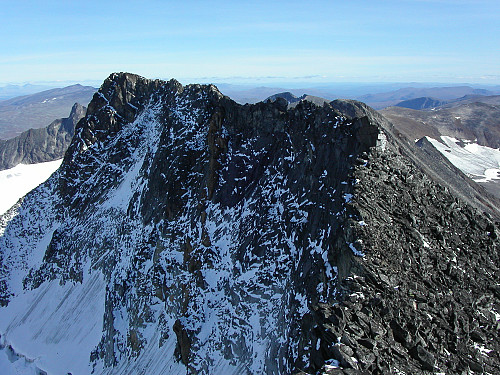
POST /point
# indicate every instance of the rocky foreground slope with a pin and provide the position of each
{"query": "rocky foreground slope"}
(187, 233)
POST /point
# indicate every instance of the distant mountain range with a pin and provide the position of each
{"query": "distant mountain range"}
(429, 103)
(11, 91)
(37, 110)
(370, 94)
(386, 99)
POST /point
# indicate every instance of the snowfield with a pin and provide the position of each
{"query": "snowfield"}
(16, 182)
(55, 327)
(481, 163)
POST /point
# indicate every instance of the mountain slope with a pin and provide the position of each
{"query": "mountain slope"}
(208, 236)
(421, 103)
(467, 134)
(427, 103)
(41, 145)
(37, 110)
(476, 122)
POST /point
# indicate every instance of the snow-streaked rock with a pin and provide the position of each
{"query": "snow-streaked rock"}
(202, 217)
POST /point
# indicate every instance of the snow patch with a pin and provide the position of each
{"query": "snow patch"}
(354, 250)
(482, 349)
(481, 163)
(18, 181)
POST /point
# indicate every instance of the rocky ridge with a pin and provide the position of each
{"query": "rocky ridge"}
(424, 297)
(43, 144)
(257, 239)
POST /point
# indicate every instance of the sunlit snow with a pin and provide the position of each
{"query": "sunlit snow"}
(481, 163)
(20, 180)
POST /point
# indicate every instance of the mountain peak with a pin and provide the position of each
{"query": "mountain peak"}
(288, 96)
(197, 234)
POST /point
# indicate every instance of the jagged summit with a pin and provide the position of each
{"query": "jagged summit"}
(187, 233)
(288, 96)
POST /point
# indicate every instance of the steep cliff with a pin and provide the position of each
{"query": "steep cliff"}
(186, 232)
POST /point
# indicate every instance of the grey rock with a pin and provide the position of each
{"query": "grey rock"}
(424, 357)
(344, 355)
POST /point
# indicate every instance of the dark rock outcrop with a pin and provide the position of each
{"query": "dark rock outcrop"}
(41, 145)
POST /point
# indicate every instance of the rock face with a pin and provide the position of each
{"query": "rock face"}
(249, 239)
(41, 145)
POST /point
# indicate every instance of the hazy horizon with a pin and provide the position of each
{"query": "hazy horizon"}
(253, 82)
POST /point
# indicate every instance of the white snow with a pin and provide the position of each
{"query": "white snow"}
(348, 197)
(354, 250)
(332, 364)
(20, 180)
(497, 315)
(49, 100)
(13, 365)
(481, 163)
(57, 326)
(482, 349)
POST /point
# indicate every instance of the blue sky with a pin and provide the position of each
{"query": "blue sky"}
(252, 41)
